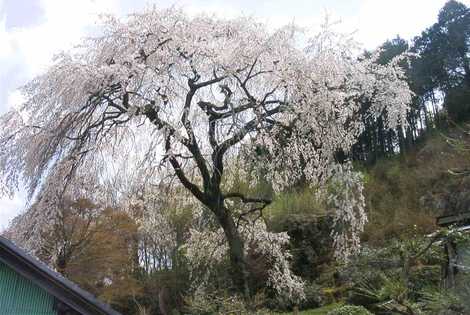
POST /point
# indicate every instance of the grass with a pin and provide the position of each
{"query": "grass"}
(318, 311)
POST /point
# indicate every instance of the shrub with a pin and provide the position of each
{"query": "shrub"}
(215, 304)
(223, 302)
(313, 296)
(350, 310)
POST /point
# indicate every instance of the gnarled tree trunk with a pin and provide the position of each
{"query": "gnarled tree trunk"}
(238, 267)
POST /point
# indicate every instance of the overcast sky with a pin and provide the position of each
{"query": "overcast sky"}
(31, 31)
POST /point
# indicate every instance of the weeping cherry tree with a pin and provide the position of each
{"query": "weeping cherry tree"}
(201, 90)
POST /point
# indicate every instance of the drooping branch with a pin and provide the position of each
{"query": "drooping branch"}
(250, 126)
(245, 199)
(263, 203)
(221, 149)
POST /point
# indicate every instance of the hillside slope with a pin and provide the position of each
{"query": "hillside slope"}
(410, 190)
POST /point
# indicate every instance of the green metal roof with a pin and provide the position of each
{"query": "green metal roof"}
(67, 295)
(19, 296)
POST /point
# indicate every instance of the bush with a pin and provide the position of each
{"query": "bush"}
(350, 310)
(313, 296)
(215, 304)
(310, 243)
(223, 302)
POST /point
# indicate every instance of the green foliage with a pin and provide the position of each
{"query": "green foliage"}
(397, 274)
(224, 303)
(442, 302)
(442, 62)
(350, 310)
(317, 311)
(389, 293)
(313, 296)
(457, 102)
(303, 202)
(215, 304)
(311, 244)
(391, 49)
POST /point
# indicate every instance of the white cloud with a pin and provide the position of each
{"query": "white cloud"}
(379, 20)
(6, 48)
(64, 24)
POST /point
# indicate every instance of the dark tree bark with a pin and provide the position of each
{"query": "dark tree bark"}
(238, 265)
